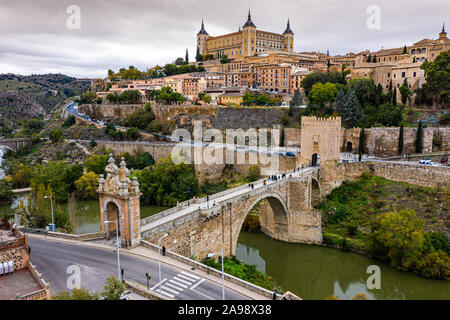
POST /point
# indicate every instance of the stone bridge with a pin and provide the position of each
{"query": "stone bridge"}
(14, 144)
(200, 226)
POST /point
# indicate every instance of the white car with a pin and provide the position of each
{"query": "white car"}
(426, 162)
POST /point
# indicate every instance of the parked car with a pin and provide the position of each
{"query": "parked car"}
(290, 154)
(425, 161)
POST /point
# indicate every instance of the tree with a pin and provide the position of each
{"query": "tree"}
(297, 99)
(321, 94)
(56, 135)
(186, 58)
(374, 60)
(322, 77)
(69, 121)
(253, 173)
(93, 143)
(179, 61)
(394, 97)
(77, 294)
(399, 237)
(400, 140)
(6, 193)
(52, 175)
(365, 90)
(404, 50)
(438, 77)
(96, 163)
(349, 108)
(86, 186)
(224, 59)
(369, 58)
(419, 138)
(113, 289)
(405, 92)
(198, 55)
(282, 137)
(133, 133)
(344, 73)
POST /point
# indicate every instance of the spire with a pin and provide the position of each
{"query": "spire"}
(202, 30)
(249, 22)
(288, 28)
(443, 28)
(328, 52)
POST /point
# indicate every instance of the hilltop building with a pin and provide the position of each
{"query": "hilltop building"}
(246, 42)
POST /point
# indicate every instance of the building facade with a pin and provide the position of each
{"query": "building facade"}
(246, 42)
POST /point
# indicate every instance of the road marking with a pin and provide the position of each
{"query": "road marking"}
(190, 275)
(166, 288)
(177, 283)
(167, 294)
(182, 281)
(196, 285)
(203, 294)
(174, 286)
(186, 278)
(156, 285)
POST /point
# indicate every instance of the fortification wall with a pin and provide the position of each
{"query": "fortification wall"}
(411, 173)
(108, 112)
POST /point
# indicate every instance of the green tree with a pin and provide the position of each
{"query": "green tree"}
(404, 50)
(33, 126)
(350, 109)
(322, 94)
(70, 121)
(224, 59)
(419, 138)
(93, 143)
(86, 186)
(398, 236)
(52, 175)
(405, 92)
(394, 97)
(186, 58)
(400, 140)
(6, 193)
(133, 133)
(297, 99)
(113, 289)
(56, 135)
(253, 173)
(77, 294)
(96, 163)
(361, 144)
(438, 77)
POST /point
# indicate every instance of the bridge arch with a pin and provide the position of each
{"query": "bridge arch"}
(315, 191)
(273, 217)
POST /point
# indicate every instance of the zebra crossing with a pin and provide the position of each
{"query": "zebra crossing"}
(177, 284)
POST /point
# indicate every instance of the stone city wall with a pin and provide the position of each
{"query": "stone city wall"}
(426, 176)
(109, 112)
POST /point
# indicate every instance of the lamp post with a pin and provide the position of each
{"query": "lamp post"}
(117, 246)
(159, 259)
(51, 205)
(210, 255)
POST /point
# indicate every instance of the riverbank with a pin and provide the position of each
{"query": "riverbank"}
(316, 272)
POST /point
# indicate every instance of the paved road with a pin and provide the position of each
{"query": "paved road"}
(52, 259)
(73, 109)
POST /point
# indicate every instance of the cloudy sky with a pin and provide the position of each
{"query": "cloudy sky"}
(35, 38)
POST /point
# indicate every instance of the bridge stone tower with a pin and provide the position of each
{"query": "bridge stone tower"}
(120, 197)
(320, 145)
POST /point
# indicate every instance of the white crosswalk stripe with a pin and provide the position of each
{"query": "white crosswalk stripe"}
(177, 284)
(166, 288)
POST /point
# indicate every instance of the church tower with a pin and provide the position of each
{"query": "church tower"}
(202, 36)
(288, 38)
(443, 34)
(249, 37)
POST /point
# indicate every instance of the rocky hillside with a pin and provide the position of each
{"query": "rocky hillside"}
(25, 97)
(16, 106)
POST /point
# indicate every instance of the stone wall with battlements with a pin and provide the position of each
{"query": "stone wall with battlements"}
(426, 176)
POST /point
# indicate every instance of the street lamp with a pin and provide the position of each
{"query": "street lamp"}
(159, 259)
(117, 245)
(210, 255)
(51, 205)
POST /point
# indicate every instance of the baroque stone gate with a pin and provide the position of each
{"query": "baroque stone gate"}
(120, 209)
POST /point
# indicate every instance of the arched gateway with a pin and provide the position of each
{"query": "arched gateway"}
(120, 203)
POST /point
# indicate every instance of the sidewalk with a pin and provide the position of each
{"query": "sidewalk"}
(152, 255)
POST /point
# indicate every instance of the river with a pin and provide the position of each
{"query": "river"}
(315, 272)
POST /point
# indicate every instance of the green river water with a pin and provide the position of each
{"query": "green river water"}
(311, 272)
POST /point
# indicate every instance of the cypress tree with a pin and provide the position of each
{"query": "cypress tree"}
(419, 144)
(404, 50)
(369, 58)
(282, 137)
(361, 144)
(374, 58)
(400, 140)
(187, 57)
(394, 97)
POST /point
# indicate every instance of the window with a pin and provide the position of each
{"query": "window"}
(403, 74)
